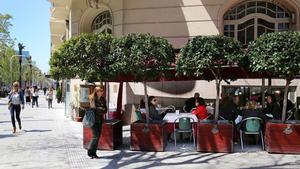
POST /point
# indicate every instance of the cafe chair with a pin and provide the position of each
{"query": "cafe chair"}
(171, 108)
(184, 109)
(185, 125)
(139, 116)
(251, 126)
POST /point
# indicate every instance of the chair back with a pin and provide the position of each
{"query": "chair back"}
(184, 123)
(139, 116)
(253, 124)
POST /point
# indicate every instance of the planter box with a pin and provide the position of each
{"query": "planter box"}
(111, 135)
(282, 137)
(153, 140)
(211, 140)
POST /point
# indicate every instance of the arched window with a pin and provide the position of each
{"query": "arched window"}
(102, 23)
(250, 19)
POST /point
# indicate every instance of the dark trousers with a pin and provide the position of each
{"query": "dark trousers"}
(15, 110)
(49, 103)
(96, 131)
(35, 101)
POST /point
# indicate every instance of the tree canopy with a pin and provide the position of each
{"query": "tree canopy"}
(85, 56)
(208, 52)
(142, 55)
(270, 51)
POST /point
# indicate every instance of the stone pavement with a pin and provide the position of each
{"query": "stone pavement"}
(49, 140)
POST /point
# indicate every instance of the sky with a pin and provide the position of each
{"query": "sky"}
(31, 27)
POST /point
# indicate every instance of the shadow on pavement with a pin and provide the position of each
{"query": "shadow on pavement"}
(33, 131)
(6, 136)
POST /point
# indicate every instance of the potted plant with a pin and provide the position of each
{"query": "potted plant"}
(145, 57)
(279, 53)
(211, 54)
(87, 56)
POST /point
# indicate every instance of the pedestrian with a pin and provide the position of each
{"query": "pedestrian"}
(35, 96)
(98, 105)
(49, 97)
(45, 90)
(16, 99)
(27, 96)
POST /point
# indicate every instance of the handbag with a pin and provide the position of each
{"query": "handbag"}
(89, 118)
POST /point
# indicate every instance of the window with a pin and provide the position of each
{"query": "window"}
(251, 19)
(103, 23)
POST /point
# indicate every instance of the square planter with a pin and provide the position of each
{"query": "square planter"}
(215, 138)
(155, 139)
(282, 137)
(111, 135)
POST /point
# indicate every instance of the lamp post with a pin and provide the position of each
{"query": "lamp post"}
(21, 47)
(30, 66)
(20, 56)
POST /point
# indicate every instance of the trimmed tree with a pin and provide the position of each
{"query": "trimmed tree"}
(212, 53)
(278, 53)
(85, 56)
(143, 56)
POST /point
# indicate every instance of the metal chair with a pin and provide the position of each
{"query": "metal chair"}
(185, 126)
(184, 109)
(251, 126)
(139, 116)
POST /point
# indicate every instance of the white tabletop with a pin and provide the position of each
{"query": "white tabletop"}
(171, 117)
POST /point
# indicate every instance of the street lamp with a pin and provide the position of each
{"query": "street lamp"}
(20, 58)
(21, 47)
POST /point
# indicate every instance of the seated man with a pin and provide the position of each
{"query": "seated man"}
(190, 103)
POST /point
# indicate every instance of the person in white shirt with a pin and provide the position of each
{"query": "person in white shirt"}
(49, 97)
(35, 96)
(16, 99)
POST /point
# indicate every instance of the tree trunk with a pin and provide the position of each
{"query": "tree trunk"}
(107, 99)
(286, 90)
(218, 82)
(263, 85)
(146, 102)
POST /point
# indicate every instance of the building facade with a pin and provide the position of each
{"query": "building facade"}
(177, 21)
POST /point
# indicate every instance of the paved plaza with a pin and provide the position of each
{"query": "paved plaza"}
(50, 140)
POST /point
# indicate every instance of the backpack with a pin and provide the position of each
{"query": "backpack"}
(89, 118)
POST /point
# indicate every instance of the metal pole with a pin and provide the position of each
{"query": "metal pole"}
(11, 66)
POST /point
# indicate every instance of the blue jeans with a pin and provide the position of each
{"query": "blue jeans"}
(15, 109)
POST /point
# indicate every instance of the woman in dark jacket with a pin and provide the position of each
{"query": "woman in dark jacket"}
(273, 107)
(98, 104)
(153, 113)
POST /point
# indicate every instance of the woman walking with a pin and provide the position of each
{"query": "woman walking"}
(49, 97)
(35, 96)
(16, 99)
(27, 96)
(98, 104)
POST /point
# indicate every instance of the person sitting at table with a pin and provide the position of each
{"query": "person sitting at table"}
(228, 107)
(153, 113)
(200, 110)
(251, 110)
(273, 107)
(190, 103)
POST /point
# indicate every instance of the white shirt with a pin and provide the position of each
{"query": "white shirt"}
(15, 98)
(50, 95)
